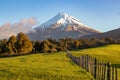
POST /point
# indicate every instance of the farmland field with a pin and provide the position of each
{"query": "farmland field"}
(108, 53)
(45, 66)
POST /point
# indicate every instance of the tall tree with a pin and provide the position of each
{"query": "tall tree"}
(23, 44)
(10, 45)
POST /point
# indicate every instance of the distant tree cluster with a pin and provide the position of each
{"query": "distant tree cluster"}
(20, 45)
(52, 45)
(16, 45)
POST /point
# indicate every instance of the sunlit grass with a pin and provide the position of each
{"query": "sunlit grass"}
(109, 53)
(41, 67)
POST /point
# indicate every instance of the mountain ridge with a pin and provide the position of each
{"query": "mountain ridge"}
(115, 34)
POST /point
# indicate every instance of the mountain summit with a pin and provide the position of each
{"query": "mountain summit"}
(60, 26)
(62, 18)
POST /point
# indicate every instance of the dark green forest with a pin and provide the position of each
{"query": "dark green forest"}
(21, 45)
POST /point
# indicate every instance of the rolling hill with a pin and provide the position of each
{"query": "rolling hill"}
(115, 34)
(108, 53)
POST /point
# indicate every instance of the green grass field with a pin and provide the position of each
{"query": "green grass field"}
(41, 67)
(109, 53)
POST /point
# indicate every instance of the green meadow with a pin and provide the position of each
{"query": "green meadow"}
(108, 53)
(45, 66)
(56, 66)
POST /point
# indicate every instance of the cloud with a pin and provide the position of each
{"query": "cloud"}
(23, 21)
(31, 21)
(24, 25)
(7, 24)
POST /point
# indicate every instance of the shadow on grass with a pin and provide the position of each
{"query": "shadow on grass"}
(116, 65)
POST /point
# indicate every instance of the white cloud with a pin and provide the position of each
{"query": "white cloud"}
(24, 25)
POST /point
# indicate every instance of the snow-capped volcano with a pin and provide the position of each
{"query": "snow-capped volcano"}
(60, 26)
(63, 19)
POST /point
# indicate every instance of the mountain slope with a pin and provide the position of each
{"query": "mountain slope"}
(115, 34)
(60, 26)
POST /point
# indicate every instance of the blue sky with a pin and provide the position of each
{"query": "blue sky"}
(103, 15)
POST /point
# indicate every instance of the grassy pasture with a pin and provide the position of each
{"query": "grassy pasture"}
(108, 53)
(46, 66)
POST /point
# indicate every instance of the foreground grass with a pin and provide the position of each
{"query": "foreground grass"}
(109, 53)
(41, 67)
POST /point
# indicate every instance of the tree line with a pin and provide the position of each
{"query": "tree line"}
(21, 44)
(15, 45)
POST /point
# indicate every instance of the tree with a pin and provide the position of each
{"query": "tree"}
(108, 40)
(11, 45)
(3, 45)
(8, 48)
(44, 47)
(37, 46)
(80, 44)
(23, 44)
(76, 43)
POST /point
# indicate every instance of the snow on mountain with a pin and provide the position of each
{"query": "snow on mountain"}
(60, 26)
(62, 19)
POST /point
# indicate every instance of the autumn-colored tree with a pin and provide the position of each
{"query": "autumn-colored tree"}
(76, 43)
(23, 44)
(10, 46)
(44, 47)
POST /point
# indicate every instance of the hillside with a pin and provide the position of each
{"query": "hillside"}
(115, 34)
(109, 53)
(41, 67)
